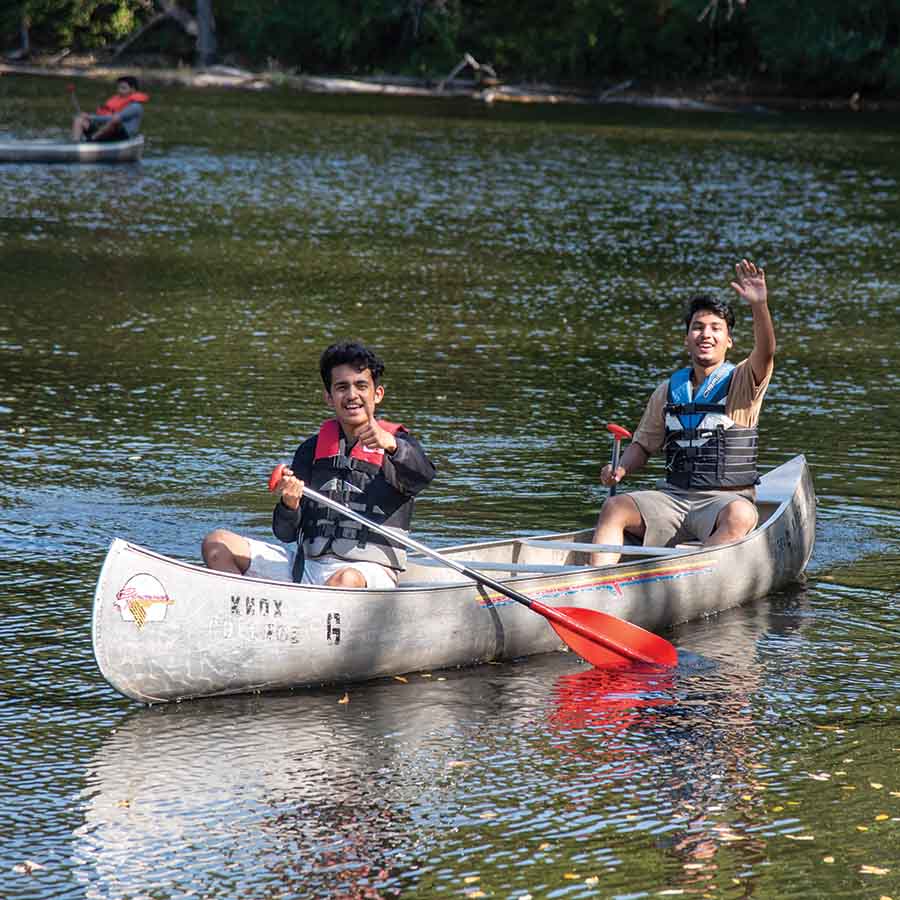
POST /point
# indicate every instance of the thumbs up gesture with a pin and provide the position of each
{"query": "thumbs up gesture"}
(372, 435)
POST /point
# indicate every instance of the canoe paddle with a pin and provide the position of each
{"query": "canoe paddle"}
(599, 638)
(71, 89)
(618, 432)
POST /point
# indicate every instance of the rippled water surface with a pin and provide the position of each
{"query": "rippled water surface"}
(522, 272)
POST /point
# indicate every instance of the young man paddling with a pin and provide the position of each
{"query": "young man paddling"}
(704, 419)
(370, 465)
(116, 120)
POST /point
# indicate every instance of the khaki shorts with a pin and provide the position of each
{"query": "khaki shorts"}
(672, 516)
(275, 562)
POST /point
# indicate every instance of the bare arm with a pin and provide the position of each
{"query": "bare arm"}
(750, 283)
(633, 459)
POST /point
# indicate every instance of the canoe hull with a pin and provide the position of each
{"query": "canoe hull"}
(168, 630)
(69, 152)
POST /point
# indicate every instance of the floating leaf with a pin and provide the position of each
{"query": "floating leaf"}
(544, 846)
(881, 817)
(401, 679)
(819, 776)
(873, 870)
(570, 876)
(344, 699)
(488, 815)
(592, 880)
(27, 867)
(862, 827)
(800, 837)
(827, 859)
(877, 785)
(471, 879)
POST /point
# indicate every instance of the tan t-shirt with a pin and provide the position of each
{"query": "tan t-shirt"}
(742, 406)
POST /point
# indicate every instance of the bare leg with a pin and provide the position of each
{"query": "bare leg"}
(348, 578)
(618, 515)
(733, 522)
(79, 126)
(226, 551)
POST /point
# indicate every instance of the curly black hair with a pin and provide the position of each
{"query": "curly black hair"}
(707, 303)
(349, 353)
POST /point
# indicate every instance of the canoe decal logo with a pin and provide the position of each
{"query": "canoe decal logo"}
(142, 599)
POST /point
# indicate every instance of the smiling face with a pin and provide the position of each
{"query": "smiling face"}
(353, 396)
(707, 339)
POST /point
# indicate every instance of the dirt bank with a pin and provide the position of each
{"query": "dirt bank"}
(723, 95)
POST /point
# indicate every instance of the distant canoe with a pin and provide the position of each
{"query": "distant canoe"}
(169, 630)
(45, 151)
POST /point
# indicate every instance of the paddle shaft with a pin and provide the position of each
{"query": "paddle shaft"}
(548, 612)
(614, 462)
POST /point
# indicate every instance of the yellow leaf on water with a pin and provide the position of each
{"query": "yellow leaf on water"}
(800, 837)
(819, 776)
(877, 785)
(544, 846)
(401, 679)
(471, 879)
(344, 699)
(476, 893)
(881, 817)
(827, 859)
(777, 808)
(592, 880)
(488, 815)
(873, 870)
(895, 793)
(570, 876)
(848, 787)
(862, 827)
(746, 796)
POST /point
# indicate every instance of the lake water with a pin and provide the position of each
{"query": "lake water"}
(522, 271)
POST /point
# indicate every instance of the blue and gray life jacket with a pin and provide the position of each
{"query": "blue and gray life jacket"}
(705, 450)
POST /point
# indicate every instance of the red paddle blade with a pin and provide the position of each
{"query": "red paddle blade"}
(275, 477)
(611, 631)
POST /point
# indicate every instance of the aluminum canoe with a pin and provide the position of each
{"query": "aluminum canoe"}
(164, 629)
(47, 151)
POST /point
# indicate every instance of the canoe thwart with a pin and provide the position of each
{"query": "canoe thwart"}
(624, 549)
(498, 566)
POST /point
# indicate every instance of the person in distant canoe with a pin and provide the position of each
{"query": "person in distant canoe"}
(373, 466)
(116, 120)
(704, 418)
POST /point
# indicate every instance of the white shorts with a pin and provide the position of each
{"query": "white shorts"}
(275, 562)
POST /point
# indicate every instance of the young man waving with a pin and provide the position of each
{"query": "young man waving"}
(704, 419)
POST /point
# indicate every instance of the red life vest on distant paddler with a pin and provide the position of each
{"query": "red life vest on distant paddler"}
(117, 103)
(356, 480)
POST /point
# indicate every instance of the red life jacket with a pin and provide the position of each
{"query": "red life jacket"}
(356, 480)
(329, 440)
(117, 103)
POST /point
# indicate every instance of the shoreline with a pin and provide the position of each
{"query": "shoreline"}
(711, 96)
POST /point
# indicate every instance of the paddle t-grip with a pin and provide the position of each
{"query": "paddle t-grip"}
(275, 477)
(618, 432)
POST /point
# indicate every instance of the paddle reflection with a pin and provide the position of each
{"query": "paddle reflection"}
(594, 709)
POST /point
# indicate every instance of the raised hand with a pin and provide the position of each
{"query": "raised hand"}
(750, 282)
(373, 435)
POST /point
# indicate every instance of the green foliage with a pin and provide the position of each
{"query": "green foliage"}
(814, 45)
(831, 45)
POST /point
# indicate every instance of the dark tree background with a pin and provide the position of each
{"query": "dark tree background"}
(810, 46)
